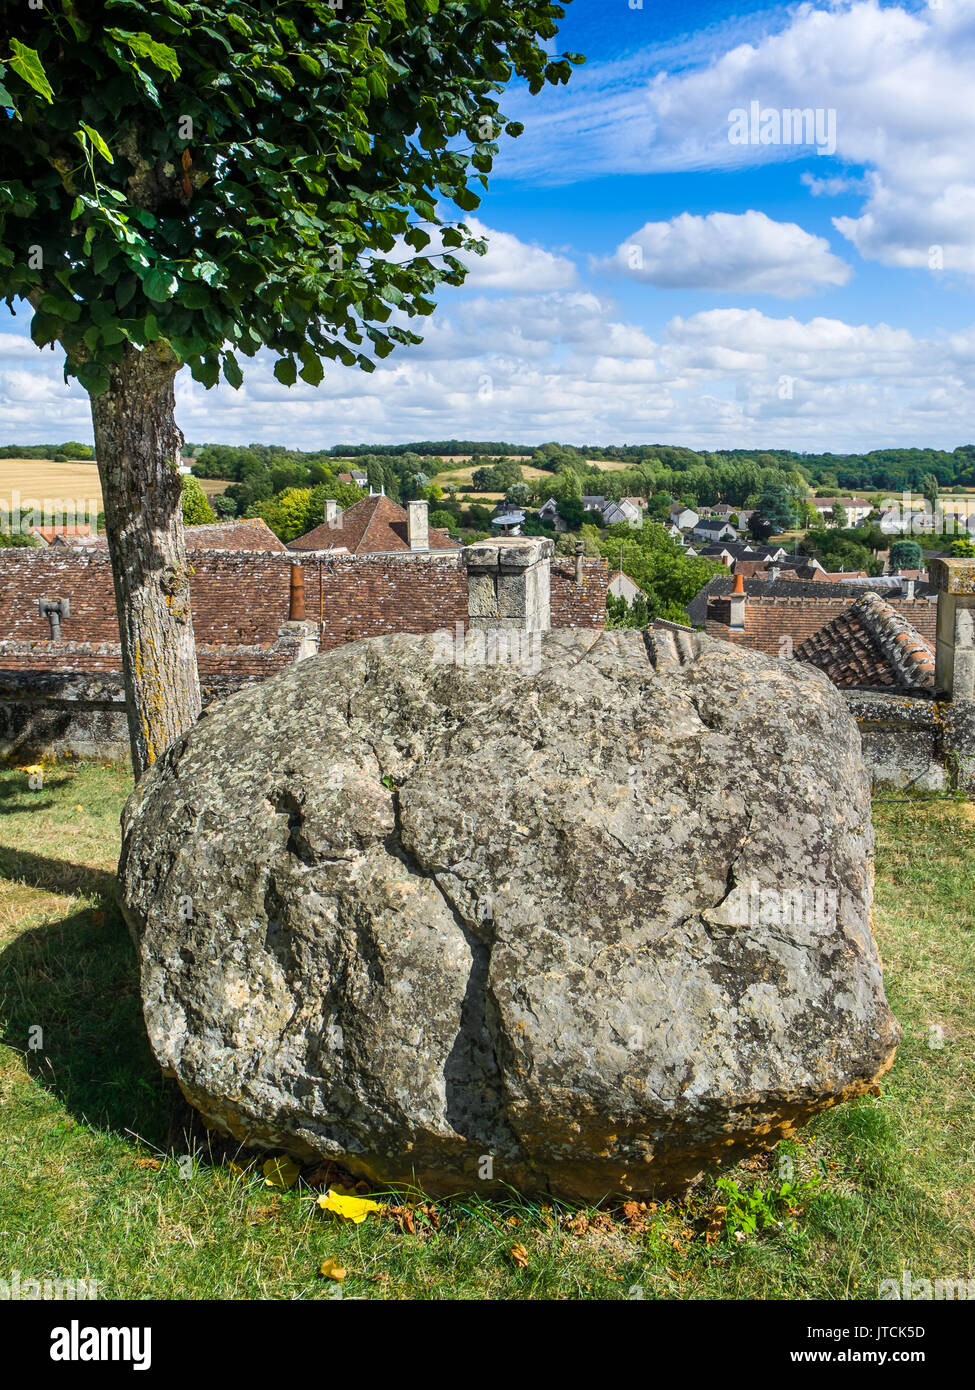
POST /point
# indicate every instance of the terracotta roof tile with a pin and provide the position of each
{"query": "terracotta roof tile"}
(374, 526)
(870, 645)
(244, 533)
(779, 626)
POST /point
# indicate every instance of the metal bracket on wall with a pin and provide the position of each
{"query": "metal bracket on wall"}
(54, 610)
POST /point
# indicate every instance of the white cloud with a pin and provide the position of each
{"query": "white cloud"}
(512, 264)
(509, 263)
(730, 252)
(568, 365)
(898, 81)
(831, 187)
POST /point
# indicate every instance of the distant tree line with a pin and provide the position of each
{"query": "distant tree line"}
(56, 453)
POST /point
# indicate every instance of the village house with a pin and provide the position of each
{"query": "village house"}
(713, 531)
(684, 518)
(857, 509)
(549, 513)
(628, 511)
(375, 526)
(60, 533)
(258, 607)
(771, 620)
(621, 586)
(722, 511)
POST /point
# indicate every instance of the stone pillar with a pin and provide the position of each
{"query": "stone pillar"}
(509, 583)
(297, 640)
(418, 525)
(955, 650)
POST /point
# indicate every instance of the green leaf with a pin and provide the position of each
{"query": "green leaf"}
(44, 328)
(285, 371)
(144, 46)
(28, 65)
(88, 133)
(312, 370)
(231, 370)
(207, 371)
(159, 285)
(98, 142)
(93, 377)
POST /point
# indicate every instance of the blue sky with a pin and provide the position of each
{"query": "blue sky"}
(650, 278)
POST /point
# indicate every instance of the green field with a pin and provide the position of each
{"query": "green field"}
(106, 1174)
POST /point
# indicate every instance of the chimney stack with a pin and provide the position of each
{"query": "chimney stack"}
(954, 674)
(296, 607)
(418, 525)
(580, 552)
(509, 583)
(736, 604)
(333, 515)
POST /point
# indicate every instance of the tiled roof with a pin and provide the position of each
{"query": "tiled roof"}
(869, 646)
(786, 586)
(244, 533)
(779, 626)
(48, 533)
(374, 526)
(762, 569)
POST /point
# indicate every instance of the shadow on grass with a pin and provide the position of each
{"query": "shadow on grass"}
(77, 982)
(56, 875)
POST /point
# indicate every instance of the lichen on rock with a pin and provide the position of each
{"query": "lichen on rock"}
(603, 921)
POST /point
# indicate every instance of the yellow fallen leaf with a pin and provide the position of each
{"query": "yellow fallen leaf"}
(331, 1269)
(280, 1172)
(347, 1207)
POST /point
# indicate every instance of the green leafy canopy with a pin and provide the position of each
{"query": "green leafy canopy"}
(226, 176)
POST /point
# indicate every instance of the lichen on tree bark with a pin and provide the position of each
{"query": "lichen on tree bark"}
(138, 445)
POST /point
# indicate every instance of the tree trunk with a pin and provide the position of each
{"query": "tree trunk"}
(138, 444)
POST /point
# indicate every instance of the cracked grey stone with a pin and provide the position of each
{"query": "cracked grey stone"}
(408, 914)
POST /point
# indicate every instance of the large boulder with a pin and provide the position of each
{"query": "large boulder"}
(589, 921)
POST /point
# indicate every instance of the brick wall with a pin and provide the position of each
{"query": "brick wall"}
(241, 598)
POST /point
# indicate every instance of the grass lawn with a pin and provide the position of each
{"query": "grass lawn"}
(105, 1173)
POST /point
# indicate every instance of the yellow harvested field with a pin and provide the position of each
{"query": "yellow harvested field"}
(462, 476)
(38, 480)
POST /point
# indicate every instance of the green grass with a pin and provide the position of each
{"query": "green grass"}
(95, 1182)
